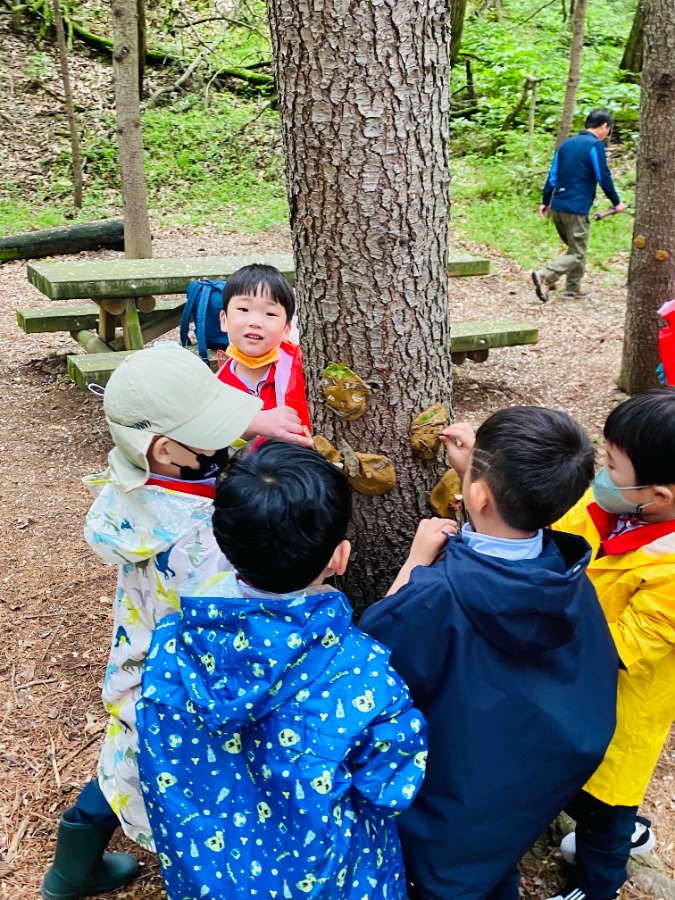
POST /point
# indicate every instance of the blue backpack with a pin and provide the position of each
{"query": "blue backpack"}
(203, 306)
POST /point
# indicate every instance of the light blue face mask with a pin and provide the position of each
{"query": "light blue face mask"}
(610, 497)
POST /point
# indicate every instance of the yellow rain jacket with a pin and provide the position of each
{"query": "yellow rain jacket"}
(636, 589)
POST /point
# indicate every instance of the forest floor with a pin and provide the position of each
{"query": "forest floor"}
(55, 597)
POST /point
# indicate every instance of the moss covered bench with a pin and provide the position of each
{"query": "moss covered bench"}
(122, 314)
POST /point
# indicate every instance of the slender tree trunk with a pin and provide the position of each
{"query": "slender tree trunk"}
(457, 14)
(138, 242)
(651, 274)
(363, 94)
(633, 54)
(142, 44)
(70, 106)
(578, 24)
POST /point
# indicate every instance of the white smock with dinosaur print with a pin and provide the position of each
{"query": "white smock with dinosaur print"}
(162, 540)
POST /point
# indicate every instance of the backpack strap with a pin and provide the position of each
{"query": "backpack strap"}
(193, 290)
(200, 319)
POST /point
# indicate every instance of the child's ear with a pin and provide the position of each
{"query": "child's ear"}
(340, 558)
(664, 496)
(480, 496)
(287, 331)
(158, 452)
(223, 321)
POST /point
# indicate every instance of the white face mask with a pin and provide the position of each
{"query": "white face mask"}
(609, 496)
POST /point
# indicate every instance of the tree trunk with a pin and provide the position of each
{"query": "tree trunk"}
(576, 48)
(457, 14)
(633, 54)
(363, 91)
(138, 242)
(651, 274)
(76, 158)
(142, 44)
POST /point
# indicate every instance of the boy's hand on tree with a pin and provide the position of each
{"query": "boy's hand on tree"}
(430, 538)
(458, 440)
(282, 423)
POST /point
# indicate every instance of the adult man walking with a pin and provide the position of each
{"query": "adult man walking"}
(579, 164)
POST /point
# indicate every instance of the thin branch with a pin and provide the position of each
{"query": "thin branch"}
(536, 12)
(220, 19)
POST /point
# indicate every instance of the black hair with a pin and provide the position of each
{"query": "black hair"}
(279, 513)
(598, 117)
(537, 463)
(246, 281)
(643, 427)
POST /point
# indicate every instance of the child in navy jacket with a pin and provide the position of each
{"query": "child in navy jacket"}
(506, 652)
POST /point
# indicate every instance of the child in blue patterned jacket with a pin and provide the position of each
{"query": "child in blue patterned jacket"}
(275, 740)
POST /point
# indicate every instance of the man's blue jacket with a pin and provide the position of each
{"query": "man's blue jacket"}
(579, 164)
(514, 668)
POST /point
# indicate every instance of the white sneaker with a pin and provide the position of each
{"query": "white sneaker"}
(576, 894)
(642, 841)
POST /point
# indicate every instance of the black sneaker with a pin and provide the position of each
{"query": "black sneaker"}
(642, 841)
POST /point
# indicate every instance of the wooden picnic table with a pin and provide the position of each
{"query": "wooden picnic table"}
(121, 292)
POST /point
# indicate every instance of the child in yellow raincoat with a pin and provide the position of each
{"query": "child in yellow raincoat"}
(629, 521)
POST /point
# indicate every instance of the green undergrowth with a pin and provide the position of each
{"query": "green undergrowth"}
(219, 165)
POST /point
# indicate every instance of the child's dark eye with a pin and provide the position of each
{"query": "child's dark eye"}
(273, 315)
(242, 308)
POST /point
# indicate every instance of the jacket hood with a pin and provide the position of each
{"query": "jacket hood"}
(129, 527)
(243, 652)
(525, 605)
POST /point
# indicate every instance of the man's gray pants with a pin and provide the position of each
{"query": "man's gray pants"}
(574, 230)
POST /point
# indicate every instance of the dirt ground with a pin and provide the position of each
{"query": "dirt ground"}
(55, 597)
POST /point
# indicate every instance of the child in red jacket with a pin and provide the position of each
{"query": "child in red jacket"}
(258, 308)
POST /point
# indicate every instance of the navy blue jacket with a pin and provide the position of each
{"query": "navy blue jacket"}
(514, 668)
(579, 164)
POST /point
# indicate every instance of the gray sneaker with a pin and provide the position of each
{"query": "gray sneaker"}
(541, 286)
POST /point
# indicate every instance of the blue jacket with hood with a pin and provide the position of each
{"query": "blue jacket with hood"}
(514, 668)
(579, 164)
(275, 744)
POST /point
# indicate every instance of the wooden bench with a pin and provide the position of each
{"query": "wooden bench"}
(474, 340)
(124, 315)
(469, 340)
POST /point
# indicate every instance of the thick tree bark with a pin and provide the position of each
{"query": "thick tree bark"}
(76, 158)
(576, 48)
(651, 274)
(634, 52)
(138, 243)
(363, 90)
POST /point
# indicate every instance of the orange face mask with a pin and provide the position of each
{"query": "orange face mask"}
(253, 362)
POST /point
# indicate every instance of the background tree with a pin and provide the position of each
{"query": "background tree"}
(138, 241)
(651, 274)
(633, 54)
(70, 106)
(457, 15)
(363, 95)
(576, 48)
